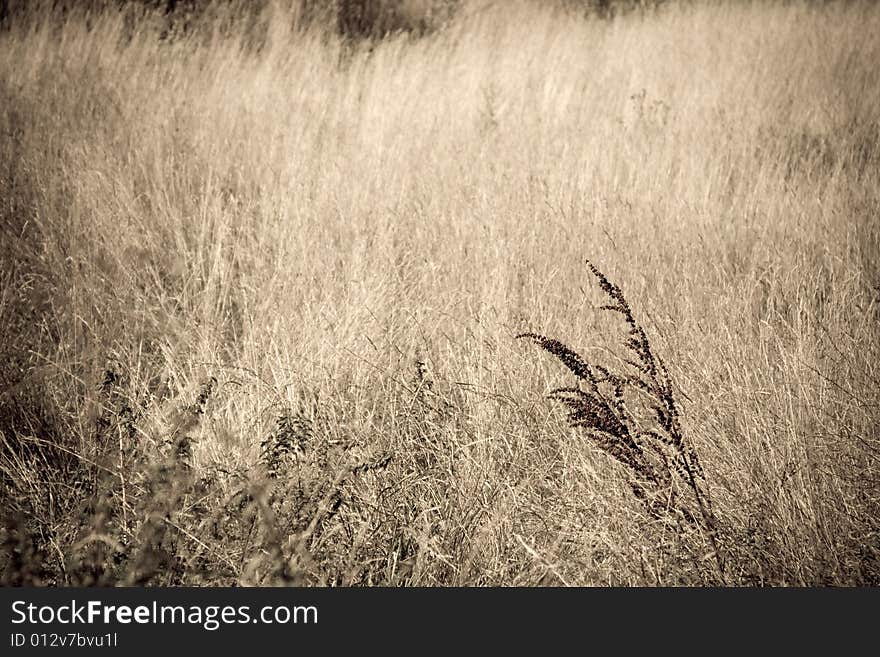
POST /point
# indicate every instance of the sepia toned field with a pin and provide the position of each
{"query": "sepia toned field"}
(260, 297)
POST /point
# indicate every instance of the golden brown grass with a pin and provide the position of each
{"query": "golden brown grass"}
(259, 305)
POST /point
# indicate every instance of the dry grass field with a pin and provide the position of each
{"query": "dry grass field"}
(260, 293)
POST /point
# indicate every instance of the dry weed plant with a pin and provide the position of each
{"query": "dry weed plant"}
(664, 470)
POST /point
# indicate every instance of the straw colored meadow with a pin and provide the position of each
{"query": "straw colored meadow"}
(261, 285)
